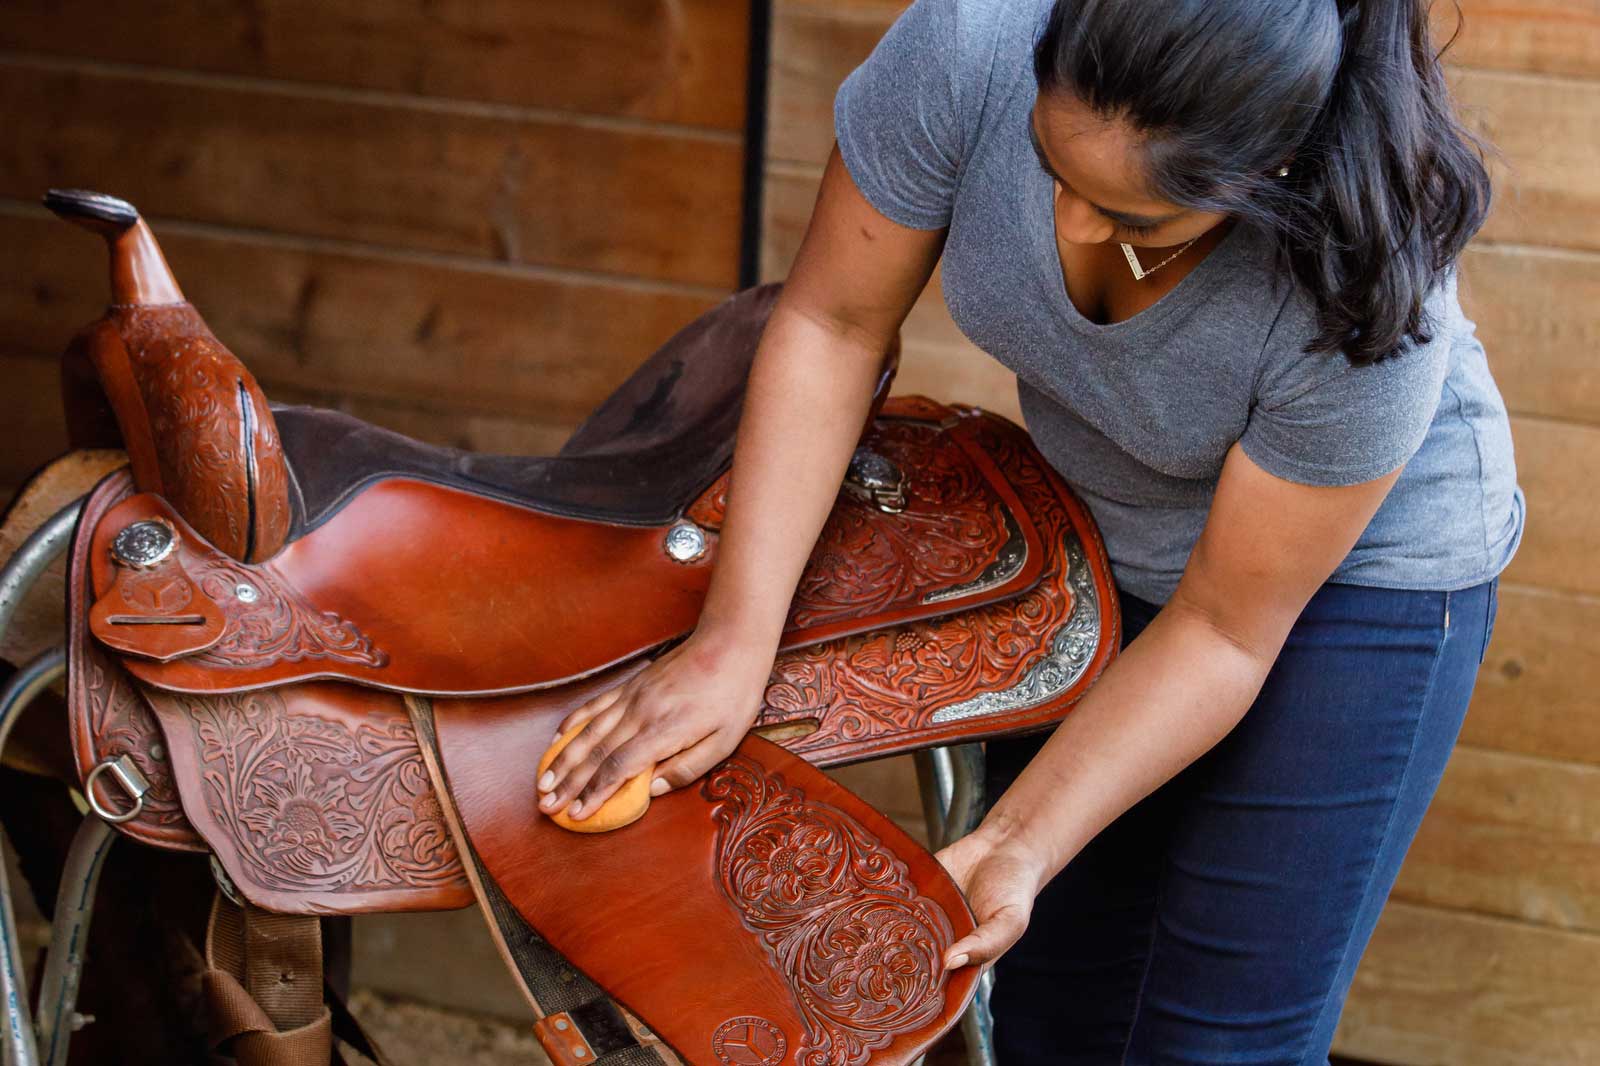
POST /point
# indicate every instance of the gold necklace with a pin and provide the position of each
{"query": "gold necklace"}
(1140, 273)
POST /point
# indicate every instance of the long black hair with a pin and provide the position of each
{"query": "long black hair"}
(1385, 187)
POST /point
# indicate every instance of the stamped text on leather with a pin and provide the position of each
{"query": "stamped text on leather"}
(838, 912)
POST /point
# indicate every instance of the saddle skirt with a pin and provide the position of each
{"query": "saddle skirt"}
(343, 698)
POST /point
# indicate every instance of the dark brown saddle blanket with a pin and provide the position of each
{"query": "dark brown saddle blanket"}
(331, 656)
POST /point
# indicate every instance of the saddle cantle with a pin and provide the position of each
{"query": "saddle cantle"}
(331, 656)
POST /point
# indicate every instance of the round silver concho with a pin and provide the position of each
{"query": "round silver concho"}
(685, 542)
(144, 544)
(875, 477)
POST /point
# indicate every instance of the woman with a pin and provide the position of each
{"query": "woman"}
(1216, 241)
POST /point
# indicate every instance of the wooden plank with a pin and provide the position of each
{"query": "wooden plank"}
(1542, 36)
(678, 61)
(814, 47)
(30, 411)
(1547, 158)
(463, 181)
(1512, 836)
(1536, 691)
(1558, 465)
(1442, 987)
(416, 331)
(1538, 315)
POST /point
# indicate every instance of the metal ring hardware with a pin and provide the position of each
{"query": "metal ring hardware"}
(133, 782)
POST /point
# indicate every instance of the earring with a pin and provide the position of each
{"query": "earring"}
(1283, 171)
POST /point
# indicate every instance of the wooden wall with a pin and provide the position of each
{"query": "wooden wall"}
(466, 219)
(1489, 952)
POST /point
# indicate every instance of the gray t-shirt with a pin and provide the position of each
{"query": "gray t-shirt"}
(1138, 415)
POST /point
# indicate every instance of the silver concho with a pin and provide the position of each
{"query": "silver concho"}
(145, 544)
(685, 542)
(876, 478)
(246, 593)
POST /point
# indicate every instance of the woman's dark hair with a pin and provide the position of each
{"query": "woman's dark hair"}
(1385, 187)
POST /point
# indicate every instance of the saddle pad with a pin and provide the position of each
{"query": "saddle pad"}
(418, 587)
(765, 903)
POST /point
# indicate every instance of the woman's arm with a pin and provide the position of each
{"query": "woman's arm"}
(855, 278)
(1268, 544)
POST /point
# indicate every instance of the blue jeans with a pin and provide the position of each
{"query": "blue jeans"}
(1219, 921)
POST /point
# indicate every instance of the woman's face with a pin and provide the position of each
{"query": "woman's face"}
(1101, 193)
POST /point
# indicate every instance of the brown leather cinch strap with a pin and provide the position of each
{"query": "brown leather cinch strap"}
(263, 985)
(576, 1023)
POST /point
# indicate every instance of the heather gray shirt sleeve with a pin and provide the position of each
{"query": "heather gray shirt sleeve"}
(898, 118)
(1318, 420)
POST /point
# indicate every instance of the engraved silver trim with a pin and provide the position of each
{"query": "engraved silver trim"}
(1072, 649)
(1008, 563)
(144, 544)
(685, 542)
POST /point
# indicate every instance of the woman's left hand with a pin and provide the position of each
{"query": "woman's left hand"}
(1000, 878)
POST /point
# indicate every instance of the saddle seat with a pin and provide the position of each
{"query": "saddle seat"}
(422, 586)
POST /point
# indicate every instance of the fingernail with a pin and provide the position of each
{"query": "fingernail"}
(659, 787)
(956, 963)
(548, 781)
(548, 800)
(576, 809)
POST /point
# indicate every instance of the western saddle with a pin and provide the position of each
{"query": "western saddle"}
(331, 656)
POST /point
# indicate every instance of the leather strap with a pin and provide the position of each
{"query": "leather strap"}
(577, 1023)
(263, 986)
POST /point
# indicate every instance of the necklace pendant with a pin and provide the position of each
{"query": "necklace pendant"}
(1133, 262)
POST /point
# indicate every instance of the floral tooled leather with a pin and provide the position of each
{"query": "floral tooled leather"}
(883, 690)
(859, 944)
(314, 798)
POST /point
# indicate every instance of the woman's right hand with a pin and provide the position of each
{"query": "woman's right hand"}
(682, 714)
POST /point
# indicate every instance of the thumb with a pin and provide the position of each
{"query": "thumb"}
(995, 933)
(690, 764)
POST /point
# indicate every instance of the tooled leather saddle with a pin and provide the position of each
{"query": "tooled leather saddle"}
(331, 656)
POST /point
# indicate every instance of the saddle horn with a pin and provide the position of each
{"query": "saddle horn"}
(196, 425)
